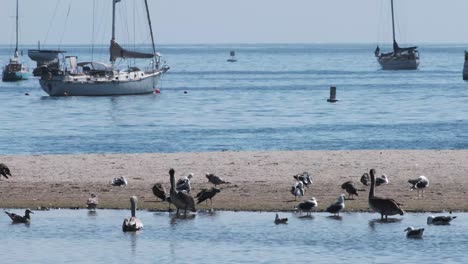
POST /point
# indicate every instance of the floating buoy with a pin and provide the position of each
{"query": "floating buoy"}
(26, 93)
(332, 98)
(185, 92)
(157, 91)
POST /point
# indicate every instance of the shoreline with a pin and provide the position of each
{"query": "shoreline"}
(259, 180)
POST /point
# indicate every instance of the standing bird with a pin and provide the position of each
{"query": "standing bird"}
(159, 191)
(419, 184)
(279, 220)
(382, 180)
(350, 189)
(411, 232)
(181, 200)
(216, 180)
(20, 219)
(384, 206)
(4, 170)
(133, 223)
(183, 184)
(337, 207)
(92, 202)
(121, 181)
(365, 179)
(308, 206)
(440, 220)
(304, 178)
(297, 189)
(206, 194)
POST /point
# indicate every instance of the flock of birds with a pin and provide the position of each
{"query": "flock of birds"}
(179, 195)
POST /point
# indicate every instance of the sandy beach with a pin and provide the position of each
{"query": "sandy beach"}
(258, 180)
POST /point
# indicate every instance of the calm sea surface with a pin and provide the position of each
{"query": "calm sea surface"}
(273, 98)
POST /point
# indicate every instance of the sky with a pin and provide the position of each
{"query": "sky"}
(241, 21)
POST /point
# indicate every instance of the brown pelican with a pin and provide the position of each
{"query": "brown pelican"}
(181, 200)
(216, 180)
(4, 170)
(304, 178)
(365, 179)
(20, 219)
(279, 220)
(440, 220)
(382, 180)
(183, 184)
(121, 181)
(411, 232)
(159, 191)
(350, 189)
(384, 206)
(133, 223)
(308, 206)
(206, 194)
(92, 202)
(338, 206)
(419, 184)
(297, 189)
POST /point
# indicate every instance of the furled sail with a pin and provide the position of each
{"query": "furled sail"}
(116, 51)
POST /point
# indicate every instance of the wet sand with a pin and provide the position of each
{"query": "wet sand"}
(258, 180)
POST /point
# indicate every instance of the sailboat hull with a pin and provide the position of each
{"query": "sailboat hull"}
(14, 76)
(396, 63)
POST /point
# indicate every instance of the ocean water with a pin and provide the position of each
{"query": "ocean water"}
(76, 236)
(272, 98)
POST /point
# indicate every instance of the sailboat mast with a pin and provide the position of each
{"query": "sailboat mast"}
(113, 18)
(393, 27)
(16, 49)
(151, 32)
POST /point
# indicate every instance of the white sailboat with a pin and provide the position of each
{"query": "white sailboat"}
(399, 58)
(98, 79)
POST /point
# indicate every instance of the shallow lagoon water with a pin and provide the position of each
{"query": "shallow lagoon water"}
(77, 236)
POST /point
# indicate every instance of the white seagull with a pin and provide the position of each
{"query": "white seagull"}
(183, 184)
(419, 184)
(440, 220)
(297, 189)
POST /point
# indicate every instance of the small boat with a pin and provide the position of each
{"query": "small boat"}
(399, 58)
(15, 70)
(465, 67)
(233, 56)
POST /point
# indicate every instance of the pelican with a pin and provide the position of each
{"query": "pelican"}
(304, 178)
(338, 206)
(365, 179)
(92, 202)
(382, 180)
(133, 223)
(350, 189)
(384, 206)
(183, 184)
(308, 206)
(419, 184)
(206, 194)
(279, 220)
(121, 181)
(4, 170)
(297, 189)
(411, 232)
(216, 180)
(20, 219)
(159, 191)
(440, 220)
(181, 200)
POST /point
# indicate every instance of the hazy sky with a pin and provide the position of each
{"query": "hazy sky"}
(241, 21)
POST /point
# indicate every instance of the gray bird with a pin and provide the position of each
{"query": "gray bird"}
(365, 179)
(206, 194)
(216, 180)
(133, 223)
(382, 180)
(440, 220)
(121, 181)
(20, 219)
(350, 189)
(92, 202)
(181, 200)
(337, 207)
(297, 189)
(419, 184)
(159, 191)
(304, 178)
(4, 170)
(183, 184)
(279, 220)
(308, 206)
(411, 232)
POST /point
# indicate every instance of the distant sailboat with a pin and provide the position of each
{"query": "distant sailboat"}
(465, 67)
(233, 56)
(400, 58)
(14, 70)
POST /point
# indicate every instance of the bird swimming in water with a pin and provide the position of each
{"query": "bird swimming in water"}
(440, 220)
(350, 189)
(297, 189)
(382, 180)
(411, 232)
(216, 180)
(279, 220)
(308, 206)
(384, 206)
(337, 207)
(419, 184)
(4, 170)
(365, 179)
(183, 184)
(181, 200)
(120, 181)
(92, 202)
(304, 178)
(206, 194)
(133, 223)
(20, 219)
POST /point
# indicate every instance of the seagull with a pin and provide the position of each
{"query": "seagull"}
(297, 189)
(206, 194)
(419, 184)
(4, 170)
(133, 223)
(183, 184)
(279, 220)
(384, 206)
(304, 178)
(92, 202)
(308, 206)
(382, 180)
(20, 219)
(338, 206)
(411, 232)
(121, 181)
(365, 179)
(350, 189)
(440, 220)
(216, 180)
(181, 200)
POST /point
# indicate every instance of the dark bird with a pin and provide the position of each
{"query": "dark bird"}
(382, 180)
(440, 220)
(384, 206)
(350, 189)
(304, 178)
(20, 219)
(183, 184)
(365, 179)
(297, 189)
(92, 202)
(419, 184)
(216, 180)
(4, 170)
(181, 200)
(159, 191)
(206, 194)
(308, 206)
(121, 181)
(411, 232)
(133, 223)
(279, 220)
(337, 207)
